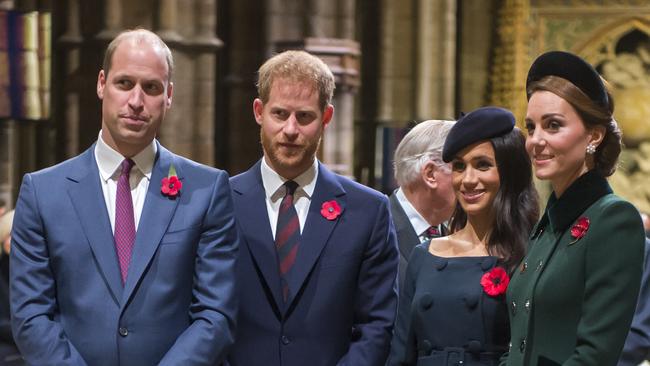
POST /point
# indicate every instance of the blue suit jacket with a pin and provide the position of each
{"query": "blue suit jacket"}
(342, 300)
(177, 306)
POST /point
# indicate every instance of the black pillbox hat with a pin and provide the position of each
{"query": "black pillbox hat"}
(572, 68)
(477, 125)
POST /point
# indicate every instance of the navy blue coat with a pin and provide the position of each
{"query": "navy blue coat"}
(342, 300)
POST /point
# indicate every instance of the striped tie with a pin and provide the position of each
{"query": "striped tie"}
(287, 235)
(124, 219)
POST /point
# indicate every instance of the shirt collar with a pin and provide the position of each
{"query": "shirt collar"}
(420, 225)
(109, 160)
(273, 182)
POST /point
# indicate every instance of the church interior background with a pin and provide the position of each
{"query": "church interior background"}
(396, 62)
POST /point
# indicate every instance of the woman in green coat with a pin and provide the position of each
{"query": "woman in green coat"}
(572, 298)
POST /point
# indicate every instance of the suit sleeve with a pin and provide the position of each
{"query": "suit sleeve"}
(376, 299)
(613, 267)
(403, 349)
(213, 310)
(637, 344)
(34, 313)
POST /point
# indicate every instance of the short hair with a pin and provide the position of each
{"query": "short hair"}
(421, 144)
(139, 35)
(297, 66)
(592, 114)
(6, 221)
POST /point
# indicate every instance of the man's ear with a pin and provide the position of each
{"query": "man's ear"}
(427, 173)
(258, 109)
(101, 84)
(170, 93)
(327, 114)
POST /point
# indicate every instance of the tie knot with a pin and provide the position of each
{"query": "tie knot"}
(291, 187)
(127, 164)
(432, 231)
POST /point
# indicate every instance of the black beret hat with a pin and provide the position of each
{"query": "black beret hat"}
(477, 125)
(572, 68)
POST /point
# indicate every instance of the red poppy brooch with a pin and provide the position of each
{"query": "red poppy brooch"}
(171, 185)
(579, 229)
(330, 210)
(495, 282)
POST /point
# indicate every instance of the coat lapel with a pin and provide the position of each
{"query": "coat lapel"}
(156, 215)
(254, 223)
(407, 238)
(317, 229)
(86, 194)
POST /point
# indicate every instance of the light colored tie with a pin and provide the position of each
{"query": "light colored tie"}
(124, 220)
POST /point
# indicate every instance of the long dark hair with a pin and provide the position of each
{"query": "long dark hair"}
(515, 206)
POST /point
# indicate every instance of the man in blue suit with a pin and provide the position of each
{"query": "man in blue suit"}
(318, 262)
(87, 288)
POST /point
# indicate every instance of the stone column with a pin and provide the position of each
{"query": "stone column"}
(112, 20)
(70, 41)
(436, 59)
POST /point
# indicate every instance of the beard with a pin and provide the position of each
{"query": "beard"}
(292, 162)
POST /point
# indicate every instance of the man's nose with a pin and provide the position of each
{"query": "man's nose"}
(291, 126)
(136, 99)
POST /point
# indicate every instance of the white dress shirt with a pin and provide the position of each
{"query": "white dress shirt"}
(420, 225)
(109, 163)
(275, 191)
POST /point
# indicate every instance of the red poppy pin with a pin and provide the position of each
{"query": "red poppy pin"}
(495, 282)
(579, 229)
(171, 185)
(330, 210)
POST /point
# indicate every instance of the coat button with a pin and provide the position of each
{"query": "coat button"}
(513, 308)
(539, 265)
(123, 331)
(527, 305)
(524, 267)
(522, 346)
(285, 340)
(426, 301)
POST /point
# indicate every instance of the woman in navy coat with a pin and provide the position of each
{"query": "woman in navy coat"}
(452, 308)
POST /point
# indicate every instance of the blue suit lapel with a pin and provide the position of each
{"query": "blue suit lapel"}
(156, 215)
(86, 194)
(254, 221)
(317, 229)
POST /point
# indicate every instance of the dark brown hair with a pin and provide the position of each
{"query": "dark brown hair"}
(515, 206)
(592, 115)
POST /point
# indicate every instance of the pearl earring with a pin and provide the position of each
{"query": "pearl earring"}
(591, 149)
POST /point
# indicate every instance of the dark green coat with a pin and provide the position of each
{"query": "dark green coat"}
(571, 300)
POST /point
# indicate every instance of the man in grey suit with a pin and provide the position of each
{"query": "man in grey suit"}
(425, 198)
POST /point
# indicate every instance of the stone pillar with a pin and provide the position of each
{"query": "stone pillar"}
(435, 59)
(70, 41)
(112, 20)
(342, 56)
(8, 158)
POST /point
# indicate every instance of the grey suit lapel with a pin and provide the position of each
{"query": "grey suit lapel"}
(407, 238)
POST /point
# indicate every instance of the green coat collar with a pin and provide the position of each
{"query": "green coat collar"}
(561, 212)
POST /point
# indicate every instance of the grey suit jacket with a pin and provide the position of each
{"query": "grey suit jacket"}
(407, 238)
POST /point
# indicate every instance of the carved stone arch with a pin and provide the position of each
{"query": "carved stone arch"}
(631, 91)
